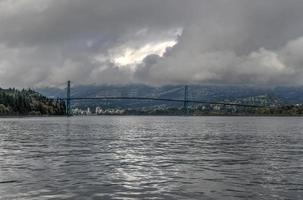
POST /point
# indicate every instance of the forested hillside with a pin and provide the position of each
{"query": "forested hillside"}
(285, 95)
(28, 102)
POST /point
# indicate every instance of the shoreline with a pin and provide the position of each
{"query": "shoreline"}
(144, 115)
(29, 116)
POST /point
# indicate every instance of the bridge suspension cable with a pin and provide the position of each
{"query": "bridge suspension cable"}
(164, 99)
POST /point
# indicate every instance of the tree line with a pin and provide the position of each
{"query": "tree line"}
(28, 102)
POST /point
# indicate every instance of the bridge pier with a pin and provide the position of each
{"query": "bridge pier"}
(68, 107)
(185, 106)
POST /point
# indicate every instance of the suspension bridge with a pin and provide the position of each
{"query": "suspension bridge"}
(185, 100)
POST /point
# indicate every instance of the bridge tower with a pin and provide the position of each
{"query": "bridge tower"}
(185, 107)
(68, 108)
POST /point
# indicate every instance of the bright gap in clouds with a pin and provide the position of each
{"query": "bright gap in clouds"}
(131, 57)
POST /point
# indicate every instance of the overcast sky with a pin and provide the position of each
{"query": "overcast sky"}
(156, 42)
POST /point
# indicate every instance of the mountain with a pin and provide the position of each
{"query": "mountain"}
(28, 102)
(239, 94)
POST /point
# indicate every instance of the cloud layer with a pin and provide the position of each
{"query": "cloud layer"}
(46, 42)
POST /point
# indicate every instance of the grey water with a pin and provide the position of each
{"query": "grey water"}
(134, 157)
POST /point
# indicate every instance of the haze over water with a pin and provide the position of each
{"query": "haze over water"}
(151, 158)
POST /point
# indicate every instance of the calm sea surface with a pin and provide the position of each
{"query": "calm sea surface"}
(151, 158)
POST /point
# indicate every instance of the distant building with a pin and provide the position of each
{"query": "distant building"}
(98, 110)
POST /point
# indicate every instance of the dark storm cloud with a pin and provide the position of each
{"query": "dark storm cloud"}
(46, 42)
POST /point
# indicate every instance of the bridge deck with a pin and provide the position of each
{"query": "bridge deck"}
(163, 99)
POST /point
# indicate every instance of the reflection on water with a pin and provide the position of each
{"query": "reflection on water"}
(151, 158)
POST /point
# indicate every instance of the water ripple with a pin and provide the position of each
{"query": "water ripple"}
(151, 158)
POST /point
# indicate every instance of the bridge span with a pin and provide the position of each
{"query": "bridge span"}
(185, 101)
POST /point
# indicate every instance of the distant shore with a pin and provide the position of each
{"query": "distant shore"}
(145, 115)
(29, 116)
